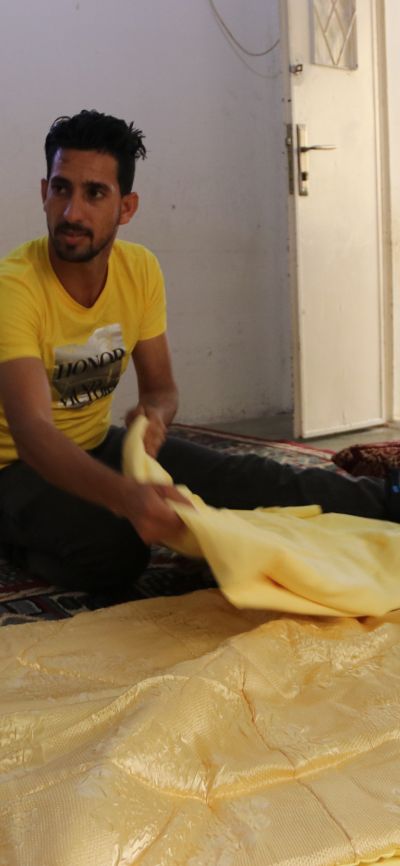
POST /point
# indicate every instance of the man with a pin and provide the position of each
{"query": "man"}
(73, 307)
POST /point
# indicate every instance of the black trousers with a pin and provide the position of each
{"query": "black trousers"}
(72, 543)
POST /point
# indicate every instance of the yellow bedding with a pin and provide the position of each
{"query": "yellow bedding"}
(289, 559)
(184, 732)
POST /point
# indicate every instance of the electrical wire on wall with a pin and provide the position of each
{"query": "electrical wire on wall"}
(235, 44)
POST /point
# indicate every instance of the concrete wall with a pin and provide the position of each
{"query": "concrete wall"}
(213, 190)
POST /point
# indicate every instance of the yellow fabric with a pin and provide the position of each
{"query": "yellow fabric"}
(84, 350)
(184, 732)
(288, 559)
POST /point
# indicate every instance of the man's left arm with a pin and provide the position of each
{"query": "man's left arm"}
(158, 395)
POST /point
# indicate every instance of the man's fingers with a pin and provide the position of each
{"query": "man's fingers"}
(168, 491)
(153, 440)
(156, 430)
(161, 524)
(150, 509)
(133, 413)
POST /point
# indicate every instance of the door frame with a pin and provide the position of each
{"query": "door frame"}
(383, 216)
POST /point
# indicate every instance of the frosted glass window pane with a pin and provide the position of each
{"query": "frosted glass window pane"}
(335, 33)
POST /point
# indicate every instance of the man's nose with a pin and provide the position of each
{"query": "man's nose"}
(74, 208)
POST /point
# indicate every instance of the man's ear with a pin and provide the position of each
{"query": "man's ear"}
(44, 185)
(129, 206)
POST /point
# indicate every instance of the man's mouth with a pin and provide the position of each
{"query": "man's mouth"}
(72, 233)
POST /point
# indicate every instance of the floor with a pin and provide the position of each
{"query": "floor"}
(280, 427)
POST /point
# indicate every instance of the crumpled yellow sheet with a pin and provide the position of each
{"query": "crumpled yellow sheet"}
(184, 732)
(288, 559)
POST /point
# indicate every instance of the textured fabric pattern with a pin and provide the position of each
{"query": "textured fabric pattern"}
(182, 731)
(376, 460)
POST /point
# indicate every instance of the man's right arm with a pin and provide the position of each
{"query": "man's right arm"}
(25, 394)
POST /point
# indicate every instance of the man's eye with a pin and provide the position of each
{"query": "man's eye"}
(58, 188)
(95, 193)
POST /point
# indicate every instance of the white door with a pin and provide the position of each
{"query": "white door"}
(336, 243)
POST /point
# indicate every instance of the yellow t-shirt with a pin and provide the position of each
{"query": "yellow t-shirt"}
(84, 350)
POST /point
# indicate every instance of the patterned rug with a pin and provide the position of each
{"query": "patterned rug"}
(24, 598)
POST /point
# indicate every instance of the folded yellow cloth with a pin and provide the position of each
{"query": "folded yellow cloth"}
(184, 732)
(289, 559)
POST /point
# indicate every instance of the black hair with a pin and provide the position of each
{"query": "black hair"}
(90, 130)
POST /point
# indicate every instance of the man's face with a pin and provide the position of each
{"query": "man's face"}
(83, 204)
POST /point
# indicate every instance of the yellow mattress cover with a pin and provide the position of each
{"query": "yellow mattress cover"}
(185, 732)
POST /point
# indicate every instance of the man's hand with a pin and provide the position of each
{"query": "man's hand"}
(156, 431)
(158, 396)
(147, 508)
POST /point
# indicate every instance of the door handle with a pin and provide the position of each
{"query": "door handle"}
(302, 156)
(318, 147)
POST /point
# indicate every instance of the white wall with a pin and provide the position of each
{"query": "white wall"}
(213, 190)
(392, 15)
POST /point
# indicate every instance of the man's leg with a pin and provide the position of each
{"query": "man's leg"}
(247, 481)
(66, 540)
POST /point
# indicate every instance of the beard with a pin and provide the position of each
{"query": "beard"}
(86, 250)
